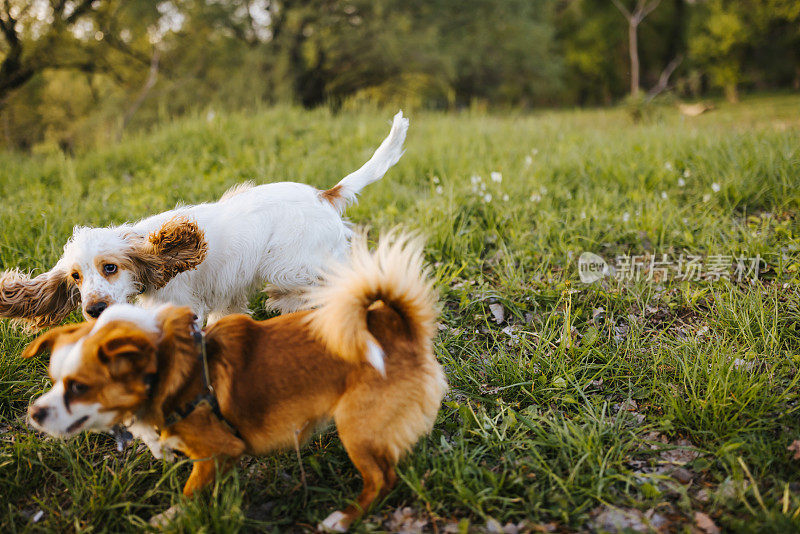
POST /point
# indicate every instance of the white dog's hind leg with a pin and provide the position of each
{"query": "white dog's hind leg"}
(237, 305)
(285, 300)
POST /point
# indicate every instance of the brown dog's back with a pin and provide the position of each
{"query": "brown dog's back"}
(278, 378)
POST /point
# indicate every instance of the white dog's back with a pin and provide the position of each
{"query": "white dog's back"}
(282, 234)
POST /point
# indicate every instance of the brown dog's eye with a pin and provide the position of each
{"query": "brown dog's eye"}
(76, 276)
(109, 268)
(77, 388)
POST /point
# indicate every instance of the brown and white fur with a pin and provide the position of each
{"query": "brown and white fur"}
(363, 357)
(279, 234)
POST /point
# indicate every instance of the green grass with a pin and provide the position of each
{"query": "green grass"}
(581, 408)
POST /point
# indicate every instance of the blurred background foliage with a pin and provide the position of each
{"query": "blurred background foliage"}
(75, 73)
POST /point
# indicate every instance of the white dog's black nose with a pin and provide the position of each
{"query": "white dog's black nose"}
(38, 414)
(94, 310)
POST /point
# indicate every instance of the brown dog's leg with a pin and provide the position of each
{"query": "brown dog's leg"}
(203, 474)
(377, 471)
(214, 450)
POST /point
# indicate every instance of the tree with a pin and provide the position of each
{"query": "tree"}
(455, 50)
(36, 35)
(746, 41)
(635, 17)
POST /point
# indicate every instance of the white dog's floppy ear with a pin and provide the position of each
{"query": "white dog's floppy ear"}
(41, 301)
(178, 246)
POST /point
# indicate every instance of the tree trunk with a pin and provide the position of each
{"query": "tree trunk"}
(633, 47)
(13, 73)
(731, 93)
(152, 77)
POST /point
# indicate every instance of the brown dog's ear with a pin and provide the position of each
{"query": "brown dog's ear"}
(178, 246)
(125, 351)
(41, 301)
(48, 339)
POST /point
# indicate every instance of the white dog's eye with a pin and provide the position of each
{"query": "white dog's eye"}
(109, 268)
(76, 276)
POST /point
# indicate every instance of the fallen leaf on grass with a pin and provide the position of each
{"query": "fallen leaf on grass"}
(684, 476)
(622, 520)
(629, 405)
(498, 312)
(456, 527)
(703, 495)
(795, 448)
(705, 523)
(407, 521)
(682, 455)
(493, 526)
(744, 365)
(511, 331)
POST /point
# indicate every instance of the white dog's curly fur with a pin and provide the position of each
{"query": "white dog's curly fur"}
(210, 257)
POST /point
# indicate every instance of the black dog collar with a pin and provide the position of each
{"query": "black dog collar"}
(207, 397)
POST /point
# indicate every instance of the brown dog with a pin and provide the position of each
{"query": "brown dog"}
(363, 357)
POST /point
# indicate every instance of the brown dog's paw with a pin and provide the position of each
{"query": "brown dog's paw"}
(165, 518)
(336, 522)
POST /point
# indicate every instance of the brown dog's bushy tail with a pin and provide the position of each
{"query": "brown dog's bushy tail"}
(393, 273)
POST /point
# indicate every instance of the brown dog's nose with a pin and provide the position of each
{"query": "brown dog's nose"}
(38, 413)
(94, 310)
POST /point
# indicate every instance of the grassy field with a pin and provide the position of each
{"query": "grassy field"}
(660, 403)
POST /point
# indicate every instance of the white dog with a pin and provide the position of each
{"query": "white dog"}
(210, 257)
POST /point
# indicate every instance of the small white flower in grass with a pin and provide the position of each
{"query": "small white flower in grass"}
(534, 151)
(528, 161)
(626, 217)
(681, 182)
(483, 186)
(668, 166)
(687, 173)
(210, 115)
(436, 179)
(439, 189)
(706, 197)
(664, 195)
(496, 177)
(715, 187)
(543, 190)
(487, 197)
(475, 179)
(583, 215)
(536, 197)
(505, 198)
(685, 220)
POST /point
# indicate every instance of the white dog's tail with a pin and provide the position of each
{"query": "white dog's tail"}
(395, 274)
(389, 153)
